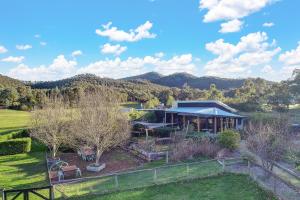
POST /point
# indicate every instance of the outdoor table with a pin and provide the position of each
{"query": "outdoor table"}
(72, 169)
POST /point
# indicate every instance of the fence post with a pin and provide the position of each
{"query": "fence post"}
(116, 181)
(155, 175)
(249, 166)
(3, 195)
(187, 169)
(51, 193)
(26, 196)
(274, 186)
(167, 157)
(223, 165)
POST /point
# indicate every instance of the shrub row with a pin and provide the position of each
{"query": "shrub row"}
(14, 135)
(15, 146)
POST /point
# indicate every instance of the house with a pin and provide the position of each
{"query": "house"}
(208, 116)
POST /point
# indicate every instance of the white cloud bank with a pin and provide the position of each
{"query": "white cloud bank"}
(23, 46)
(3, 49)
(113, 68)
(228, 10)
(59, 68)
(13, 59)
(113, 49)
(253, 50)
(114, 34)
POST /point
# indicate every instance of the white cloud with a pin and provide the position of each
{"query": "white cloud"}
(229, 10)
(117, 68)
(59, 68)
(13, 59)
(43, 43)
(267, 69)
(160, 54)
(114, 34)
(268, 24)
(23, 46)
(3, 49)
(113, 68)
(76, 53)
(291, 57)
(291, 61)
(251, 51)
(37, 35)
(231, 26)
(113, 49)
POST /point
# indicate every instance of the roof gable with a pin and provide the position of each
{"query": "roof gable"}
(204, 104)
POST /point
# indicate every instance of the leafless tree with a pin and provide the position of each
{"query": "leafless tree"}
(51, 124)
(101, 123)
(268, 140)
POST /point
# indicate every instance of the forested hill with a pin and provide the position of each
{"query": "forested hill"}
(181, 79)
(91, 79)
(6, 81)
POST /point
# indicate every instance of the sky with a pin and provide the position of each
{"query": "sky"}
(51, 40)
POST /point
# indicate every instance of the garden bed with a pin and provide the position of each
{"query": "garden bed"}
(115, 160)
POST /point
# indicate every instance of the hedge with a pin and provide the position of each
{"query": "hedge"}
(15, 134)
(15, 146)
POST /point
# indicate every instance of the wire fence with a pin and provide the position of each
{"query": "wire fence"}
(281, 182)
(138, 179)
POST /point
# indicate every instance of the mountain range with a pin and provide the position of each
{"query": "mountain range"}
(181, 79)
(174, 80)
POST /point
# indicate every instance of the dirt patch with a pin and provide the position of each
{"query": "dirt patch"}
(116, 160)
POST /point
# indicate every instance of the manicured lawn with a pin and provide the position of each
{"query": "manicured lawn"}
(21, 170)
(13, 120)
(225, 187)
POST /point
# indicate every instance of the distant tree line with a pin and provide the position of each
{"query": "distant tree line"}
(254, 95)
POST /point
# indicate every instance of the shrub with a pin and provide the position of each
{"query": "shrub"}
(20, 145)
(135, 115)
(189, 148)
(15, 135)
(229, 139)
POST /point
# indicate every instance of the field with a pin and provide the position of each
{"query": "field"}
(21, 170)
(229, 187)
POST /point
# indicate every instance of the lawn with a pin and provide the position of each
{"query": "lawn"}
(227, 187)
(141, 178)
(13, 120)
(21, 170)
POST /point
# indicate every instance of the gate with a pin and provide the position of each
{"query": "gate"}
(15, 193)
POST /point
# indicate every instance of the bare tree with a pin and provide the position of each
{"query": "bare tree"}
(101, 123)
(51, 124)
(268, 140)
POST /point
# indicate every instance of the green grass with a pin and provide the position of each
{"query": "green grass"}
(21, 170)
(13, 120)
(141, 178)
(225, 187)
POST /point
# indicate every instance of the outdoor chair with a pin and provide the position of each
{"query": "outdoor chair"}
(87, 154)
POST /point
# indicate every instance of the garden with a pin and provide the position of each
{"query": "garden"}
(69, 149)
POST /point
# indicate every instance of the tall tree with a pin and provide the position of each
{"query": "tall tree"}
(51, 125)
(101, 123)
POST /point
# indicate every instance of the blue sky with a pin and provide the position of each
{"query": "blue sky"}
(48, 40)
